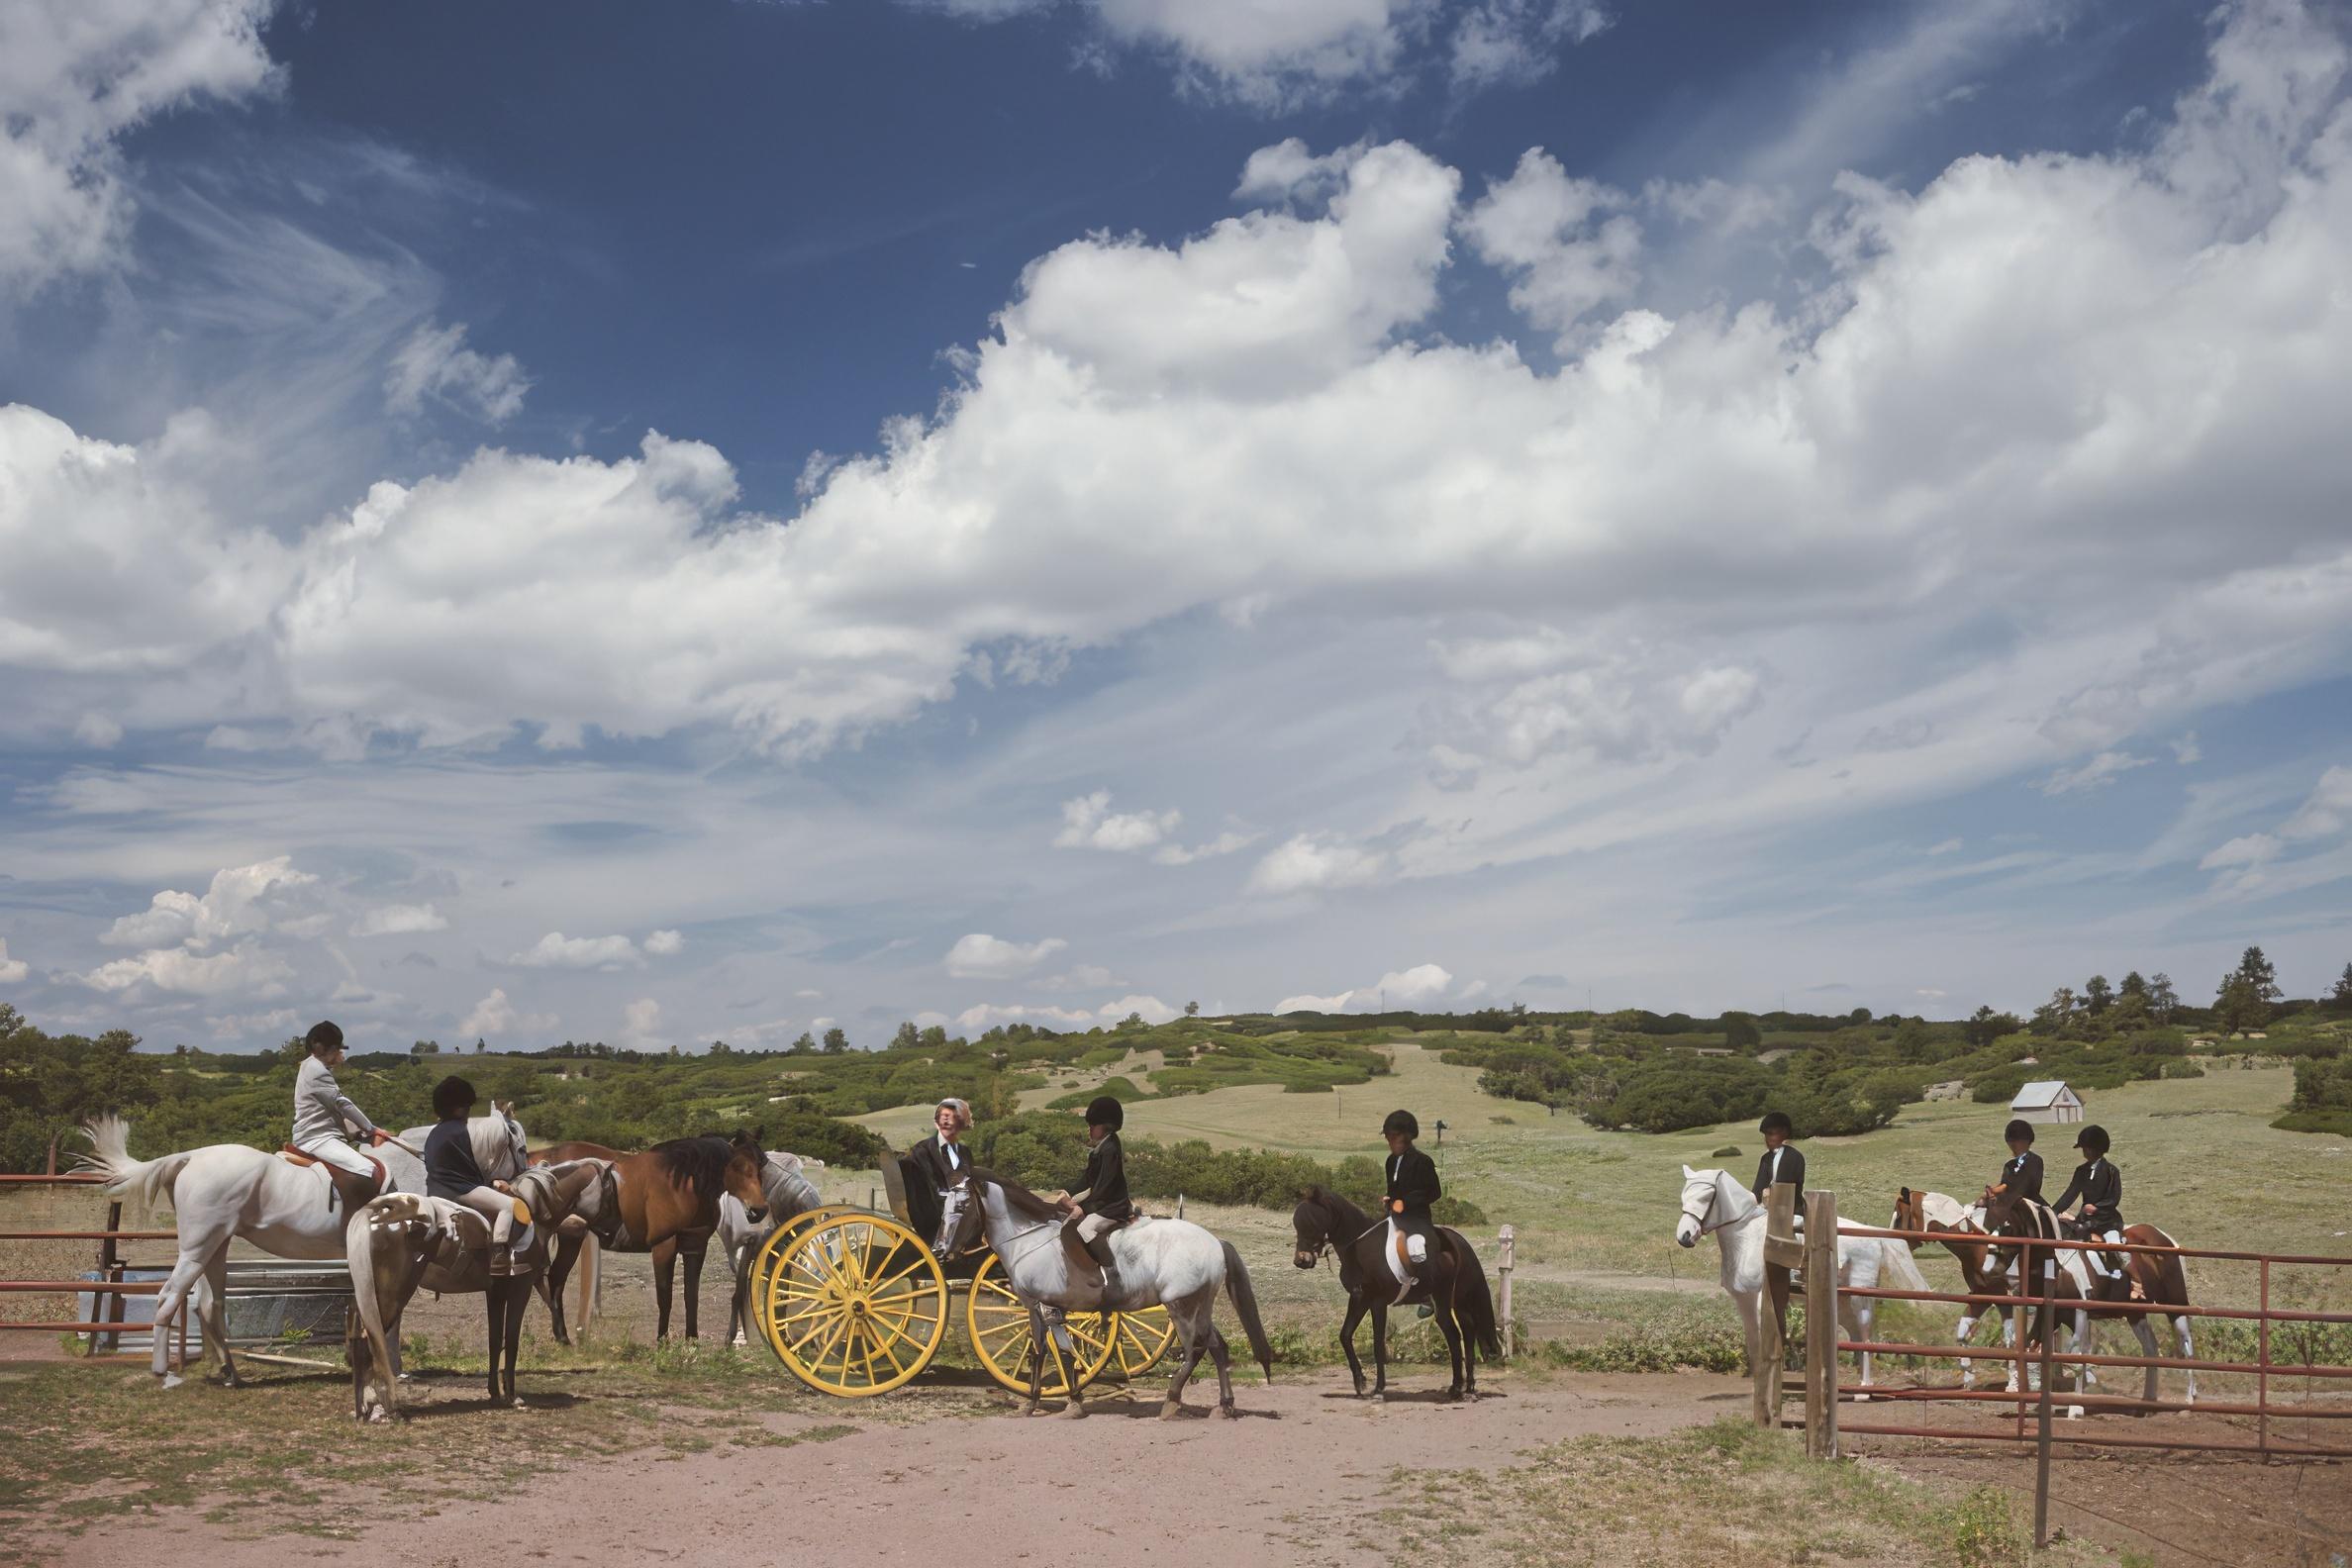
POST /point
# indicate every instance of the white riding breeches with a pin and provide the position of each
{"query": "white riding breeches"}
(1093, 1226)
(495, 1207)
(335, 1151)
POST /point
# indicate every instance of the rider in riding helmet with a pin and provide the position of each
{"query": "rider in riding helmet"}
(1411, 1190)
(1104, 1200)
(2100, 1187)
(2021, 1176)
(451, 1169)
(1780, 1163)
(322, 1111)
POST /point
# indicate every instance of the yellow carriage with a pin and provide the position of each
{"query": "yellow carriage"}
(854, 1302)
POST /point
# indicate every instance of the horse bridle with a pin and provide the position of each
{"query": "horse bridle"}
(1700, 1219)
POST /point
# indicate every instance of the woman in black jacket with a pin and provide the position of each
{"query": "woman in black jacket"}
(1412, 1191)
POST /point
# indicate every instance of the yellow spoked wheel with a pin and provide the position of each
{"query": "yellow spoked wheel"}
(1000, 1329)
(770, 1256)
(1140, 1338)
(855, 1305)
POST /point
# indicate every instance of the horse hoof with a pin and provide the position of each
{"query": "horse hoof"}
(1378, 1395)
(1227, 1412)
(1034, 1410)
(516, 1403)
(1073, 1410)
(1171, 1410)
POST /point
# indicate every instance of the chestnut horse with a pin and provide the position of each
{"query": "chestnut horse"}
(668, 1205)
(2151, 1282)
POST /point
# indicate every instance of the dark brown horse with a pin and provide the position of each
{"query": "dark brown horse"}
(666, 1205)
(1455, 1286)
(2150, 1282)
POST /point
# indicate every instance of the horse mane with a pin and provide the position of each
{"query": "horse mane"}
(1346, 1212)
(696, 1163)
(1018, 1198)
(488, 1135)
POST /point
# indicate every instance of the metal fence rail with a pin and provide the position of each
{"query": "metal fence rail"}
(2036, 1261)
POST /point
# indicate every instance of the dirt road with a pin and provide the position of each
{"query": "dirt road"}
(1299, 1477)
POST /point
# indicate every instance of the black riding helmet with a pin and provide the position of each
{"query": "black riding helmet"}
(1777, 1121)
(1401, 1122)
(2093, 1140)
(1105, 1110)
(2018, 1132)
(453, 1095)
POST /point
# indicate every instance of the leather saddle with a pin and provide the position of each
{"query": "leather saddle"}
(1083, 1262)
(355, 1191)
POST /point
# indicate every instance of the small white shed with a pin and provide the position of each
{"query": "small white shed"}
(2047, 1101)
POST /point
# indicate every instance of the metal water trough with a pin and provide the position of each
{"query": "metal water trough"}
(268, 1298)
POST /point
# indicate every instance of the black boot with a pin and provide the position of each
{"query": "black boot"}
(1100, 1251)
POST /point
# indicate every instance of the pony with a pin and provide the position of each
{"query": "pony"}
(2157, 1279)
(1456, 1288)
(1714, 1202)
(789, 1193)
(227, 1192)
(668, 1205)
(403, 1242)
(1155, 1262)
(1954, 1225)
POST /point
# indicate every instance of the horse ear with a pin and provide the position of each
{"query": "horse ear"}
(1905, 1194)
(1690, 1174)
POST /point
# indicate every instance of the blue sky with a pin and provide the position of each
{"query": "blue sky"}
(658, 523)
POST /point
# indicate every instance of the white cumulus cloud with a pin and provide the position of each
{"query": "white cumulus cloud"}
(555, 951)
(980, 956)
(12, 970)
(240, 901)
(399, 920)
(1088, 822)
(496, 1017)
(1310, 862)
(664, 944)
(1398, 988)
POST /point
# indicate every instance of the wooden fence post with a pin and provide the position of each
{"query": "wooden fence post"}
(1820, 1324)
(1507, 1238)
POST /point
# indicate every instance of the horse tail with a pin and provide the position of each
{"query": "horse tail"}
(145, 1184)
(1246, 1307)
(1474, 1301)
(359, 1253)
(1898, 1267)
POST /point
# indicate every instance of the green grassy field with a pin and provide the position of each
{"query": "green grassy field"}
(1594, 1212)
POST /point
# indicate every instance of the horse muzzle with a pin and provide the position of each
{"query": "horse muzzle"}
(755, 1215)
(1303, 1258)
(1687, 1238)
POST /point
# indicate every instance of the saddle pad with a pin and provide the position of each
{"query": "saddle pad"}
(1394, 1252)
(452, 1220)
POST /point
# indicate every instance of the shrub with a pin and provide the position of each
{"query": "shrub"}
(1728, 1151)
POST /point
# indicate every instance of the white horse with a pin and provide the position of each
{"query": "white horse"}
(1155, 1262)
(225, 1192)
(790, 1194)
(1714, 1201)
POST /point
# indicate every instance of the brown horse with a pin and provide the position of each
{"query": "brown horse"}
(1456, 1287)
(403, 1242)
(2151, 1282)
(668, 1205)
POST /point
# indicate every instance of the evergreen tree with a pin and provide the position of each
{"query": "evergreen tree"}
(836, 1042)
(2343, 987)
(2163, 1000)
(2256, 971)
(2097, 993)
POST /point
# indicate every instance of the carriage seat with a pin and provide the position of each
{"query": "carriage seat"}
(355, 1191)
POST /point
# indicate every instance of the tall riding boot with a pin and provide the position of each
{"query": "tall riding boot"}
(1100, 1251)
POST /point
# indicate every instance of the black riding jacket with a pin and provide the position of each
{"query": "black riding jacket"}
(2021, 1177)
(1106, 1189)
(1792, 1169)
(1412, 1180)
(2100, 1187)
(451, 1169)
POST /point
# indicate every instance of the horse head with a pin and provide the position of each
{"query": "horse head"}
(517, 1148)
(746, 1174)
(1311, 1221)
(1909, 1214)
(960, 1218)
(1703, 1204)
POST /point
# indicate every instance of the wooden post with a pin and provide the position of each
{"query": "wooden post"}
(110, 1271)
(1507, 1238)
(1820, 1324)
